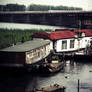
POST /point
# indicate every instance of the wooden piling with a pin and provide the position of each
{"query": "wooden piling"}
(78, 85)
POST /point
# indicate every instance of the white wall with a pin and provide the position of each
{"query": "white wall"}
(85, 41)
(59, 45)
(51, 45)
(78, 44)
(44, 51)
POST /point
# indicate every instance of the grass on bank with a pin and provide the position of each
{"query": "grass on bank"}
(11, 36)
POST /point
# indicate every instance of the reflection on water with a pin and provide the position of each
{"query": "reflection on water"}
(68, 77)
(26, 26)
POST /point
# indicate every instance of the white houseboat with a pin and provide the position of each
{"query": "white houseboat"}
(64, 41)
(84, 37)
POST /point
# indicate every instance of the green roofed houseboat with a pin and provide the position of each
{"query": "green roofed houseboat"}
(25, 53)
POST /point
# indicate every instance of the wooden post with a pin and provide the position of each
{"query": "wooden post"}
(78, 84)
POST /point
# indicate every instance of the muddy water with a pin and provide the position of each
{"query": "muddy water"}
(24, 82)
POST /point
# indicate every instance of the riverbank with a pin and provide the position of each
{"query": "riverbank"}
(9, 37)
(11, 33)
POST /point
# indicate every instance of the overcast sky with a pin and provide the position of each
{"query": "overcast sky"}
(85, 4)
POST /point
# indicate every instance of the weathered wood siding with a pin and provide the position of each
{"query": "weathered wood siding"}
(12, 58)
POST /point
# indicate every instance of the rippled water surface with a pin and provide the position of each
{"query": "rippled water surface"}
(24, 82)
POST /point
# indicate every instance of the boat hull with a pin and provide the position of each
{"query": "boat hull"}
(51, 67)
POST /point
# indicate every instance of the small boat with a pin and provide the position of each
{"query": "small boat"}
(51, 67)
(54, 88)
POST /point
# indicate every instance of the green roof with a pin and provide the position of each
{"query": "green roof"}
(26, 46)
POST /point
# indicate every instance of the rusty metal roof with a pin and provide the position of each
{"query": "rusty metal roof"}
(56, 35)
(88, 32)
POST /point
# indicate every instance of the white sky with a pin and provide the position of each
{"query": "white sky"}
(85, 4)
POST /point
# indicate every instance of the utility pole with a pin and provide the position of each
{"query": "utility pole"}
(80, 23)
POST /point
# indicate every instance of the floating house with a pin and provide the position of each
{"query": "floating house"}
(84, 37)
(26, 53)
(64, 41)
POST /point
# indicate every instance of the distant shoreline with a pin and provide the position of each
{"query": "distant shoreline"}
(5, 25)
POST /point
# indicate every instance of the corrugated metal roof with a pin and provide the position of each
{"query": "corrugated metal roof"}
(62, 35)
(88, 32)
(26, 46)
(56, 35)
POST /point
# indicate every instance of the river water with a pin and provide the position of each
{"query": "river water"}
(24, 82)
(68, 77)
(26, 26)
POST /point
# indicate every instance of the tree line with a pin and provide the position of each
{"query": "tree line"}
(35, 7)
(12, 7)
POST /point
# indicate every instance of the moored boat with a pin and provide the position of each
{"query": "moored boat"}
(25, 54)
(54, 88)
(89, 50)
(52, 67)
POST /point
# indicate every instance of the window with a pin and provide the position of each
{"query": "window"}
(39, 53)
(31, 54)
(64, 44)
(83, 34)
(71, 43)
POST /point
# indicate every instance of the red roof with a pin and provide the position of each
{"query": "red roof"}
(55, 35)
(88, 32)
(62, 30)
(43, 35)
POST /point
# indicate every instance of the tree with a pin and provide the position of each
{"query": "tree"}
(35, 7)
(15, 7)
(2, 7)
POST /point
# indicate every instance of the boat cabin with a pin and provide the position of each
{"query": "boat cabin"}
(27, 53)
(63, 41)
(84, 37)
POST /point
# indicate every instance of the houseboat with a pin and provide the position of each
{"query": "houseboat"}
(89, 49)
(67, 42)
(84, 37)
(51, 88)
(64, 41)
(25, 54)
